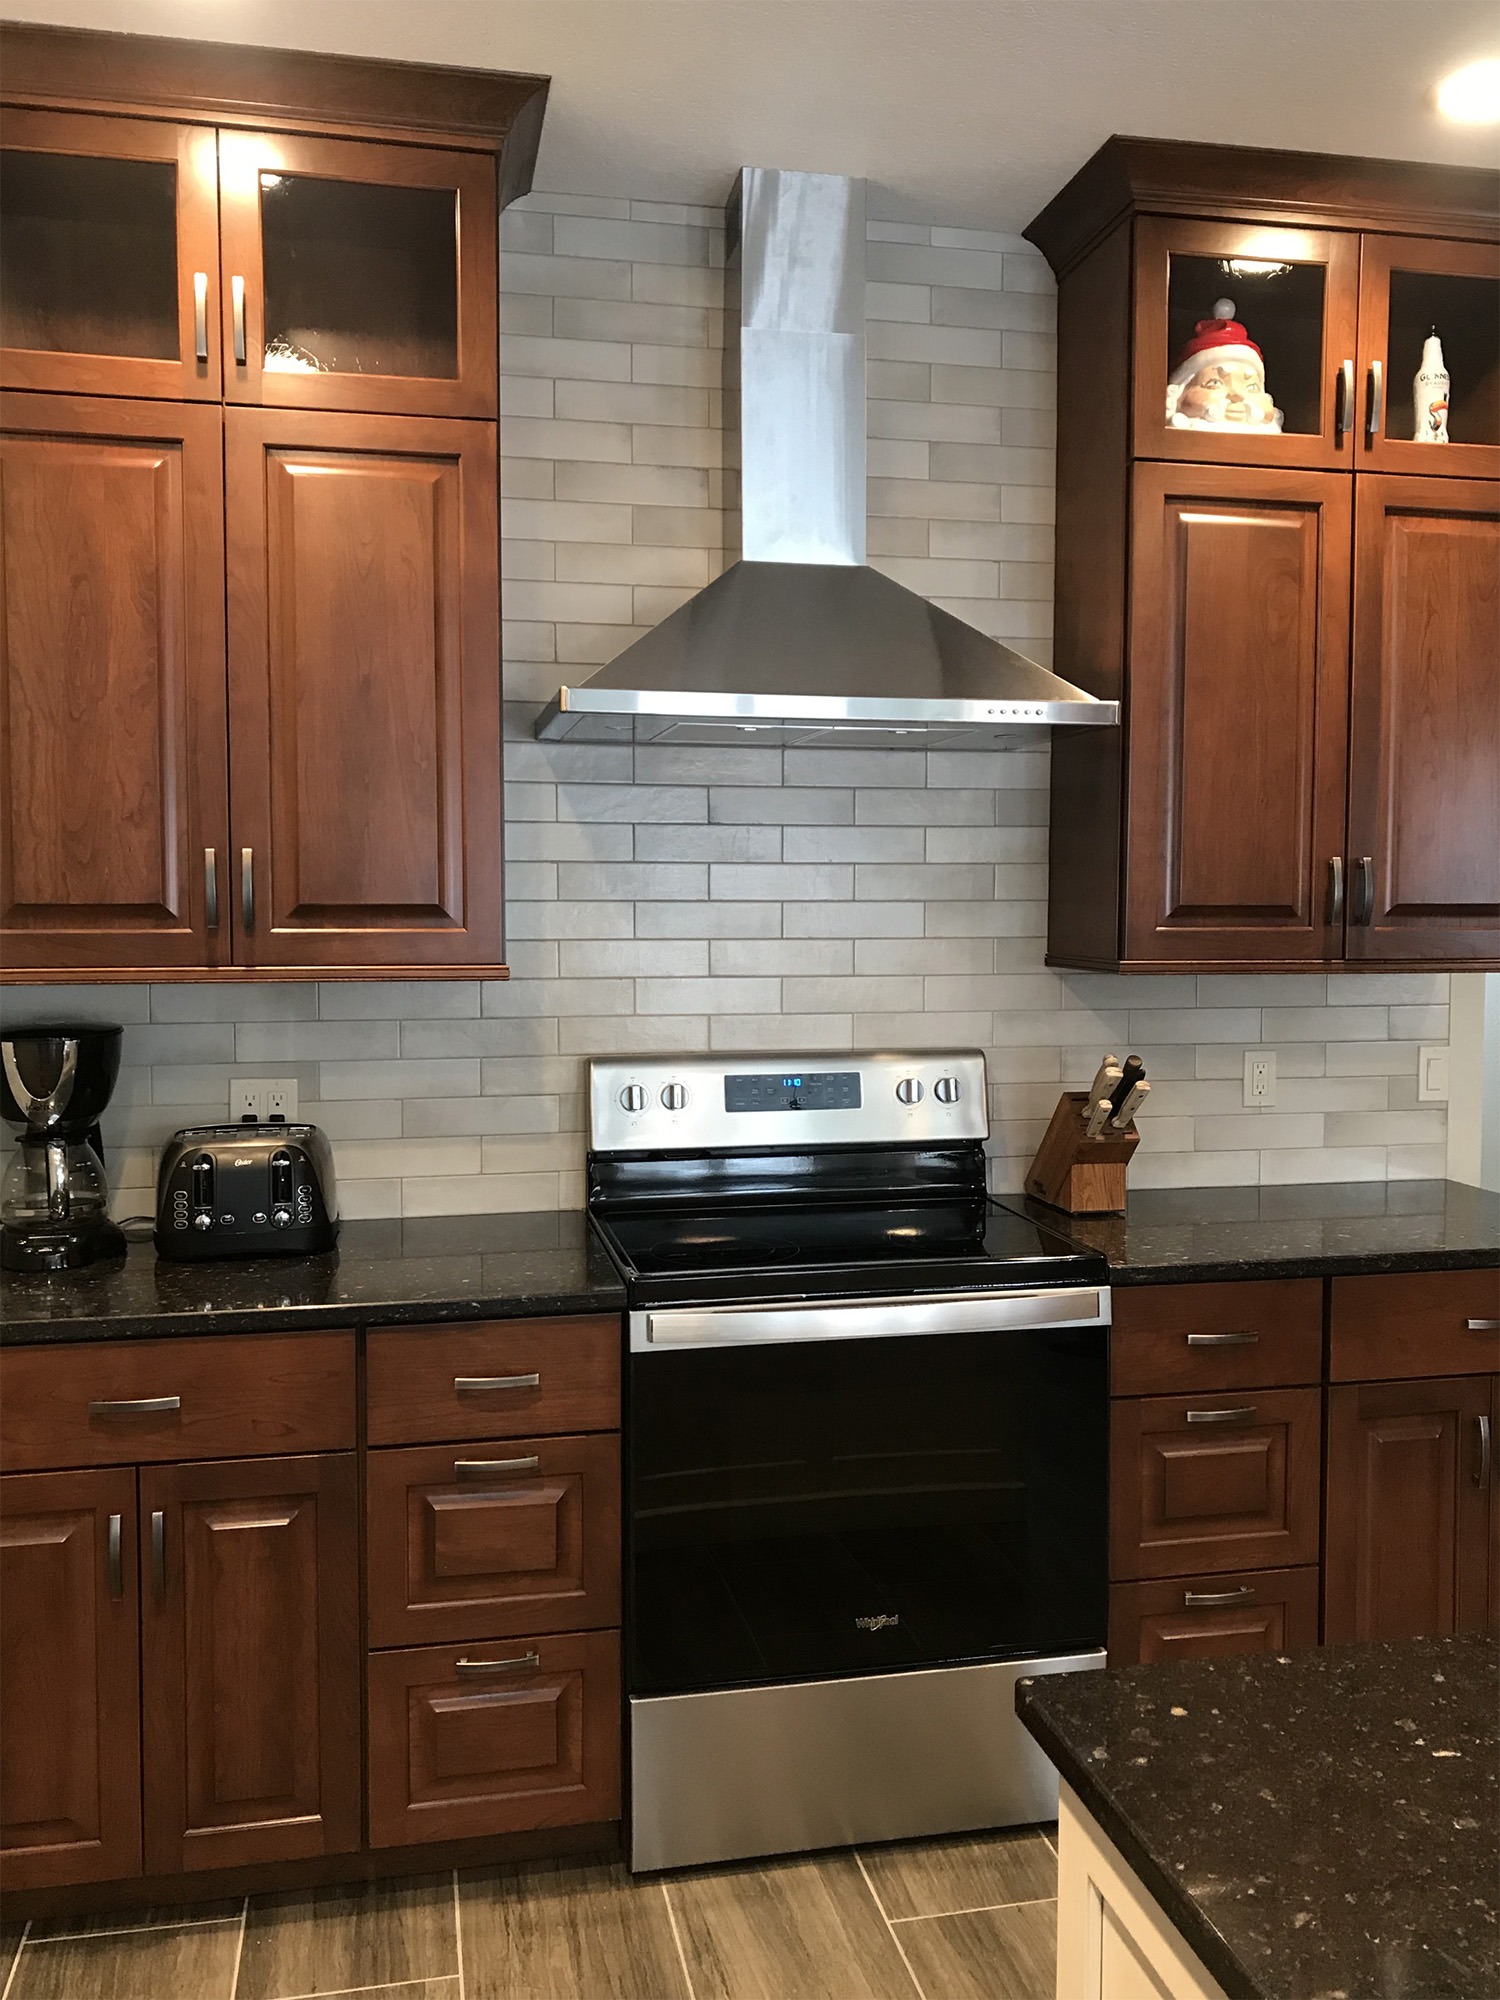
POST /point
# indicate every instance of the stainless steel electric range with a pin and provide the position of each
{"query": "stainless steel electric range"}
(866, 1445)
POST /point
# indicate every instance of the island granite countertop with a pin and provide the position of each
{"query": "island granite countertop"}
(380, 1273)
(1323, 1827)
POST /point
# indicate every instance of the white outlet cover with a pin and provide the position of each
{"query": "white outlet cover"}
(1432, 1075)
(1260, 1078)
(262, 1097)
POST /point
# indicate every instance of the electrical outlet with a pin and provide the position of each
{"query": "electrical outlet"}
(1432, 1075)
(1260, 1078)
(263, 1097)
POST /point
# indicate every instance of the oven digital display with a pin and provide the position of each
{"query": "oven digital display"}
(830, 1090)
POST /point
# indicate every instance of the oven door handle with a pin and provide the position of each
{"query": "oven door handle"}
(870, 1319)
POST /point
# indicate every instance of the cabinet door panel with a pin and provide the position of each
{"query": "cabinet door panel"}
(113, 707)
(1424, 769)
(1413, 1508)
(70, 1725)
(251, 1651)
(1410, 286)
(1238, 711)
(1213, 1617)
(364, 689)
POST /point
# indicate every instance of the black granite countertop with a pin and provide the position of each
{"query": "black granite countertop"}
(387, 1273)
(1324, 1827)
(1177, 1235)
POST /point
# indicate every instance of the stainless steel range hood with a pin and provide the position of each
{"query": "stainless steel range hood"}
(799, 638)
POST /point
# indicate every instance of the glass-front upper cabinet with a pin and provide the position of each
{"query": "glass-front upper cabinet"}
(357, 277)
(1245, 343)
(109, 261)
(1429, 336)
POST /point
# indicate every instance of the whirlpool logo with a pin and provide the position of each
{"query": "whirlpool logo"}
(879, 1621)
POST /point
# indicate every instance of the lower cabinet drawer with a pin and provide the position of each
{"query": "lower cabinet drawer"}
(1209, 1617)
(503, 1737)
(1414, 1324)
(477, 1541)
(1203, 1484)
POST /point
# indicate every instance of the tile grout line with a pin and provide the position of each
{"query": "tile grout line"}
(458, 1934)
(972, 1910)
(890, 1927)
(359, 1992)
(10, 1977)
(239, 1950)
(676, 1939)
(133, 1930)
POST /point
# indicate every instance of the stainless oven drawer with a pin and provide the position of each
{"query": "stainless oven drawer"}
(868, 1319)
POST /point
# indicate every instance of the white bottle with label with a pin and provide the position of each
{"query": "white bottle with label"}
(1430, 395)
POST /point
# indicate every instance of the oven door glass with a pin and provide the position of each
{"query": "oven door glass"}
(821, 1509)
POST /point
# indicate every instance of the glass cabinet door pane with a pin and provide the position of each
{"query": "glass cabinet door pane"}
(1220, 311)
(1464, 313)
(88, 255)
(360, 279)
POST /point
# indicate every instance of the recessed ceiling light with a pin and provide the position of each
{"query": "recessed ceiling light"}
(1471, 95)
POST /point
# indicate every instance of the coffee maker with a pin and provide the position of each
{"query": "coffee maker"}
(54, 1204)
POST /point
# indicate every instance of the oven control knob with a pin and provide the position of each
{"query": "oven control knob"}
(633, 1097)
(909, 1090)
(673, 1096)
(946, 1090)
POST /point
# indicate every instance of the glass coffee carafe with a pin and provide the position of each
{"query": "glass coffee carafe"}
(54, 1201)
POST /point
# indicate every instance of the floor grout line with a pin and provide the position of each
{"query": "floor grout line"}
(239, 1950)
(10, 1977)
(890, 1927)
(382, 1986)
(971, 1910)
(687, 1976)
(131, 1930)
(458, 1934)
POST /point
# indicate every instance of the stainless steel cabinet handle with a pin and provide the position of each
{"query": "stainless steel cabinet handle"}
(483, 1468)
(136, 1406)
(1482, 1325)
(200, 315)
(1482, 1469)
(1343, 421)
(116, 1562)
(1222, 1339)
(476, 1385)
(247, 887)
(237, 308)
(1364, 889)
(211, 888)
(1375, 405)
(521, 1665)
(1215, 1600)
(159, 1551)
(1244, 1413)
(1336, 889)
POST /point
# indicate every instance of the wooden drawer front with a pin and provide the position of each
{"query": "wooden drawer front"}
(239, 1396)
(1187, 1339)
(422, 1381)
(455, 1753)
(520, 1535)
(1194, 1488)
(1210, 1617)
(1414, 1323)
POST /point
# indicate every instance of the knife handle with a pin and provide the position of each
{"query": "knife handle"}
(1130, 1076)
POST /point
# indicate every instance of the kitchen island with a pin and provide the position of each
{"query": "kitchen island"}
(1324, 1826)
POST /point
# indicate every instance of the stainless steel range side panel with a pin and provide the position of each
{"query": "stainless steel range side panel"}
(777, 1770)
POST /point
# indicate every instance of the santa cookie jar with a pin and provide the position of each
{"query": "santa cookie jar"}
(1219, 384)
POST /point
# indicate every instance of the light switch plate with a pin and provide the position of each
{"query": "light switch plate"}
(263, 1097)
(1260, 1078)
(1432, 1075)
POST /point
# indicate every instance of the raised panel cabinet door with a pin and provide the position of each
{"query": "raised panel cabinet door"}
(113, 826)
(1413, 1508)
(109, 256)
(1213, 1617)
(70, 1722)
(358, 276)
(1238, 710)
(364, 690)
(1411, 287)
(250, 1650)
(1424, 736)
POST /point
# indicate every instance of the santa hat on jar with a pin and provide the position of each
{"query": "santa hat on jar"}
(1220, 339)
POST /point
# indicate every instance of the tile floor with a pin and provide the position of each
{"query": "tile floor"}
(968, 1919)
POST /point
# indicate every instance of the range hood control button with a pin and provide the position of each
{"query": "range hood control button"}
(909, 1090)
(673, 1096)
(946, 1090)
(633, 1097)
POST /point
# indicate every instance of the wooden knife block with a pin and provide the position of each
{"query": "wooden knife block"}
(1073, 1172)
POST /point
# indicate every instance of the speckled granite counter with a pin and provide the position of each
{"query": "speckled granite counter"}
(1320, 1828)
(386, 1273)
(1179, 1235)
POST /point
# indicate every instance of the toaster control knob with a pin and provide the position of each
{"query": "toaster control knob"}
(909, 1090)
(633, 1097)
(280, 1217)
(946, 1090)
(673, 1096)
(203, 1220)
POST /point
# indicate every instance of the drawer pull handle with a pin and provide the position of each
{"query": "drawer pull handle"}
(1222, 1339)
(523, 1665)
(116, 1562)
(1243, 1413)
(479, 1385)
(1482, 1469)
(1483, 1325)
(136, 1406)
(483, 1468)
(159, 1551)
(1215, 1600)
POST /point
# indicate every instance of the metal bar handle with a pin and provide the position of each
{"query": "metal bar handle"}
(115, 1557)
(1375, 407)
(1335, 888)
(159, 1551)
(247, 887)
(1482, 1325)
(135, 1406)
(1343, 421)
(1243, 1413)
(1215, 1600)
(237, 309)
(1222, 1339)
(1482, 1469)
(479, 1385)
(523, 1665)
(1364, 889)
(727, 1325)
(200, 315)
(483, 1468)
(211, 888)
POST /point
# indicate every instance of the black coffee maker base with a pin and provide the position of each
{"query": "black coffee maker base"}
(43, 1250)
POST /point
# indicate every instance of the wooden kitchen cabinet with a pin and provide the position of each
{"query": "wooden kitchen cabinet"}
(1411, 286)
(1212, 1617)
(70, 1720)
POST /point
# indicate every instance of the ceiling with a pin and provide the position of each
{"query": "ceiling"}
(966, 110)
